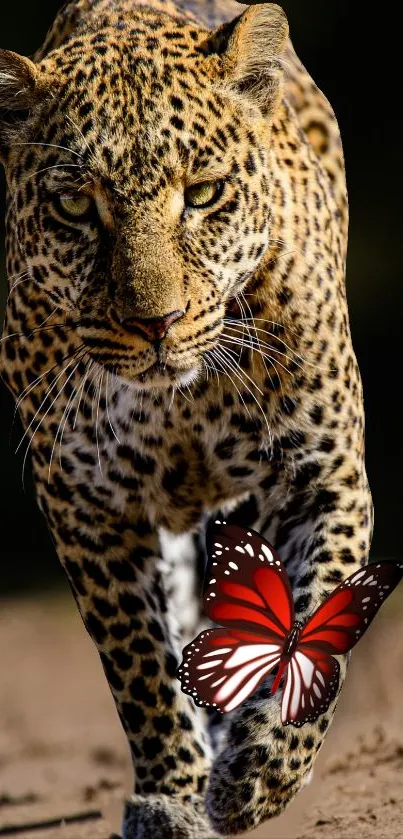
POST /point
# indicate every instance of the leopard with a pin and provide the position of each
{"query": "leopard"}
(178, 345)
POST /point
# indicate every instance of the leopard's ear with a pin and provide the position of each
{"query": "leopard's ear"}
(251, 47)
(18, 81)
(21, 88)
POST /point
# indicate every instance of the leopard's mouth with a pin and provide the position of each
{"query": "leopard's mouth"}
(162, 364)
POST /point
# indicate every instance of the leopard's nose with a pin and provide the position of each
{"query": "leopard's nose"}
(152, 329)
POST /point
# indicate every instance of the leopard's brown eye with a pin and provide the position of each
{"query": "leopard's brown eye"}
(203, 194)
(74, 204)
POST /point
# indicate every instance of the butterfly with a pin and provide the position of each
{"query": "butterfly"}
(248, 592)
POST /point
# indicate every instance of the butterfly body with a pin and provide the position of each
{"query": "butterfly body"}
(290, 645)
(249, 594)
(291, 641)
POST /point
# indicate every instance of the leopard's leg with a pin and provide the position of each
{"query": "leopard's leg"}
(185, 561)
(243, 513)
(323, 535)
(182, 561)
(114, 567)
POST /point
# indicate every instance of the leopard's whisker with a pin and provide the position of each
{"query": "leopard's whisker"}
(48, 169)
(211, 366)
(13, 335)
(27, 390)
(80, 133)
(20, 278)
(16, 276)
(244, 372)
(190, 391)
(257, 337)
(48, 317)
(15, 285)
(273, 240)
(48, 392)
(222, 361)
(141, 403)
(240, 325)
(57, 432)
(97, 419)
(107, 407)
(171, 401)
(237, 326)
(288, 253)
(50, 146)
(271, 359)
(58, 428)
(302, 359)
(83, 186)
(47, 411)
(136, 395)
(82, 388)
(274, 323)
(183, 394)
(73, 396)
(33, 384)
(295, 249)
(93, 390)
(37, 329)
(231, 366)
(240, 304)
(251, 346)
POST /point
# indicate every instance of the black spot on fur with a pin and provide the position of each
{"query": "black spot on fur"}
(130, 603)
(95, 628)
(113, 677)
(173, 478)
(152, 746)
(142, 646)
(163, 724)
(134, 716)
(140, 692)
(306, 474)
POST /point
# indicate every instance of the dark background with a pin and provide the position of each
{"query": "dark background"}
(353, 54)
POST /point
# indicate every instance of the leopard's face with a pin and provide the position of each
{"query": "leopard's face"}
(143, 193)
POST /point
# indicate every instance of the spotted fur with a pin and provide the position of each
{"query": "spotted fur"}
(250, 403)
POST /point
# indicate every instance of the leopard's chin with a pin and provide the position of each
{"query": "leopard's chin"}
(159, 374)
(164, 377)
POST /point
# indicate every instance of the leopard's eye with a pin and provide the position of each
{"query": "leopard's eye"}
(74, 204)
(203, 194)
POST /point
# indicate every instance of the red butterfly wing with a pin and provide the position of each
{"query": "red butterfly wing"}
(313, 674)
(221, 668)
(311, 683)
(342, 619)
(247, 586)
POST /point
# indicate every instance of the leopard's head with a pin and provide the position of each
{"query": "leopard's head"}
(138, 160)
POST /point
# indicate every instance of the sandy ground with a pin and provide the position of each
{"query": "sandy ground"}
(62, 751)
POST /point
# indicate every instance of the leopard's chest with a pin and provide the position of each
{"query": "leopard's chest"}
(175, 458)
(201, 465)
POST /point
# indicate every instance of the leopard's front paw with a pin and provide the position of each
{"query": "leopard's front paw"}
(247, 787)
(165, 817)
(255, 778)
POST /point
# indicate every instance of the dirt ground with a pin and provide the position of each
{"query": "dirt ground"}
(62, 752)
